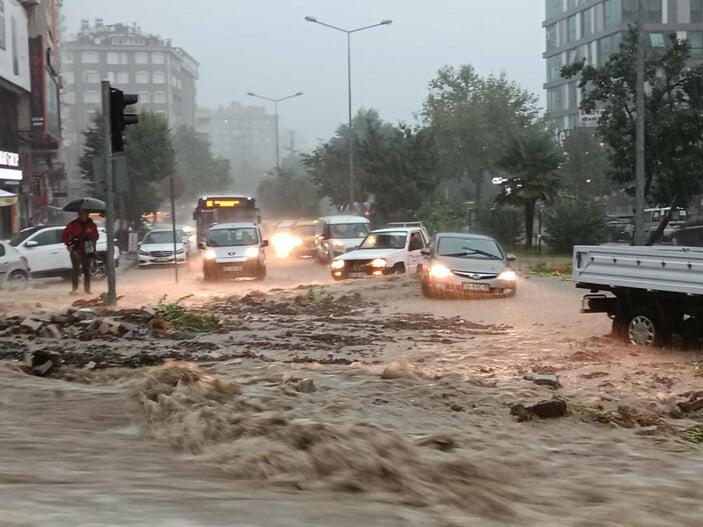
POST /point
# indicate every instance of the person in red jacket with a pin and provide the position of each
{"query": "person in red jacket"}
(80, 237)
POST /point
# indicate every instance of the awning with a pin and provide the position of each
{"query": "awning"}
(7, 199)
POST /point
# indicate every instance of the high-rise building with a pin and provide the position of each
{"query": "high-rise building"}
(31, 170)
(245, 135)
(593, 30)
(164, 77)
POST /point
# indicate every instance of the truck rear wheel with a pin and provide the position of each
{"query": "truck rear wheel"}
(644, 329)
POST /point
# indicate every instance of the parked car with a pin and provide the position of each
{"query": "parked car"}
(156, 248)
(690, 234)
(48, 256)
(467, 264)
(234, 250)
(382, 252)
(304, 231)
(14, 269)
(620, 228)
(335, 235)
(654, 216)
(188, 237)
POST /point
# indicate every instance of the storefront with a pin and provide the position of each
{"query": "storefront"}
(10, 179)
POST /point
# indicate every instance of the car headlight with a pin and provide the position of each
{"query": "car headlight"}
(508, 275)
(337, 264)
(210, 254)
(180, 251)
(143, 253)
(251, 252)
(379, 262)
(440, 271)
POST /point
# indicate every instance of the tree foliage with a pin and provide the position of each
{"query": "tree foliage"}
(585, 168)
(531, 161)
(201, 172)
(440, 215)
(502, 222)
(472, 119)
(575, 221)
(673, 110)
(289, 194)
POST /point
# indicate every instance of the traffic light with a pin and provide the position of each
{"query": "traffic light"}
(118, 119)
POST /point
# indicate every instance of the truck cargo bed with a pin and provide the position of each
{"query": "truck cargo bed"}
(657, 268)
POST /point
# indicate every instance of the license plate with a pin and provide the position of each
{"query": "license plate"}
(469, 286)
(233, 268)
(164, 259)
(357, 275)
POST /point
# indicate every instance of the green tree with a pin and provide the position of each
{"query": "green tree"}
(440, 215)
(92, 150)
(150, 158)
(290, 193)
(200, 171)
(500, 221)
(585, 170)
(398, 168)
(575, 220)
(329, 163)
(472, 119)
(531, 159)
(673, 136)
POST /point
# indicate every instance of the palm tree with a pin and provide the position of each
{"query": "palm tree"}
(531, 161)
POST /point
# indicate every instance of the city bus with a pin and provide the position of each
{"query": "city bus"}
(211, 210)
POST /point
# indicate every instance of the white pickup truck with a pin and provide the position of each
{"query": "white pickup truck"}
(650, 293)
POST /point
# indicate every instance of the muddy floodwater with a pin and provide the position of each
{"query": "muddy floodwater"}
(319, 404)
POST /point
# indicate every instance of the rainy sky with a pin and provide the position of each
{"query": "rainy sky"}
(266, 46)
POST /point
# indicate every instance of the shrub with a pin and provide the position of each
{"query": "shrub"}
(574, 221)
(441, 216)
(502, 222)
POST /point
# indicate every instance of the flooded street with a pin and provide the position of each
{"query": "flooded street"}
(346, 404)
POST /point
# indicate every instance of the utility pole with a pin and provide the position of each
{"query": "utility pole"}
(350, 131)
(109, 195)
(278, 149)
(640, 167)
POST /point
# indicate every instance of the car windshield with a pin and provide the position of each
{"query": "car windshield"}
(384, 240)
(19, 237)
(462, 247)
(343, 231)
(159, 237)
(305, 230)
(232, 237)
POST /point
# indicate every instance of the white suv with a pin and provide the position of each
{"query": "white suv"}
(47, 255)
(382, 252)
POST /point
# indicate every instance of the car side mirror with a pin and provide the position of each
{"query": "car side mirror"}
(201, 245)
(426, 251)
(30, 244)
(265, 243)
(511, 257)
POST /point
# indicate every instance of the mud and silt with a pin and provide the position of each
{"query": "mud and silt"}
(407, 411)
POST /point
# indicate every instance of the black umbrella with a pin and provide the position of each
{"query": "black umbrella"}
(87, 204)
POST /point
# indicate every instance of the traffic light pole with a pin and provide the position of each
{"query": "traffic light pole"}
(109, 197)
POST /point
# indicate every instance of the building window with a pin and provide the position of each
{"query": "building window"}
(111, 76)
(142, 77)
(67, 57)
(89, 57)
(612, 14)
(597, 15)
(91, 97)
(91, 77)
(69, 97)
(144, 97)
(159, 77)
(696, 11)
(122, 77)
(695, 40)
(554, 8)
(586, 23)
(117, 57)
(653, 11)
(140, 57)
(571, 35)
(159, 97)
(69, 77)
(608, 46)
(158, 58)
(554, 68)
(552, 37)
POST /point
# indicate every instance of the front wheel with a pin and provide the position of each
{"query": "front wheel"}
(17, 279)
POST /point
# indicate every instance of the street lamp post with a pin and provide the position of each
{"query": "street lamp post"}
(350, 134)
(275, 113)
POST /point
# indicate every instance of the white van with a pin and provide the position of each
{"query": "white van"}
(335, 235)
(234, 250)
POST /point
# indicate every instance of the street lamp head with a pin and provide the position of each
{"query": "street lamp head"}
(386, 22)
(299, 93)
(251, 94)
(311, 19)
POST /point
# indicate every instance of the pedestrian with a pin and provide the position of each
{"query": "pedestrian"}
(80, 236)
